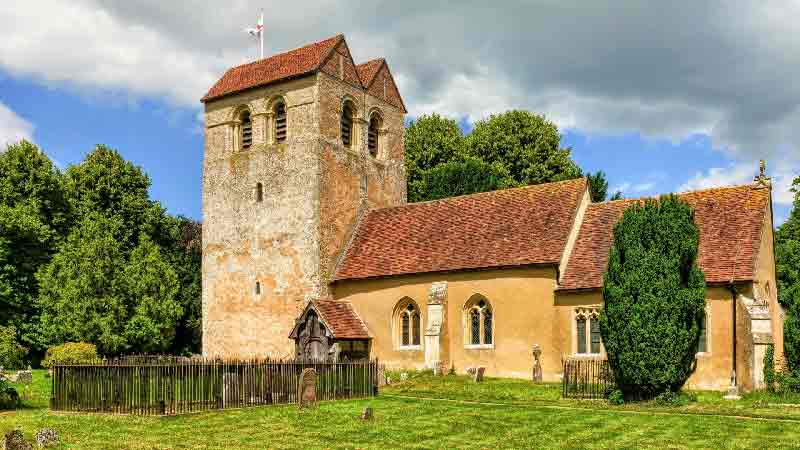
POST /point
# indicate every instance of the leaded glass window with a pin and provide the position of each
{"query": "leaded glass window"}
(581, 334)
(594, 334)
(405, 325)
(487, 326)
(475, 327)
(702, 344)
(416, 326)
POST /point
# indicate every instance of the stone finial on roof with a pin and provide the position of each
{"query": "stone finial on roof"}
(762, 180)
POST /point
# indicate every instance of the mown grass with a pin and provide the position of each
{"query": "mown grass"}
(534, 418)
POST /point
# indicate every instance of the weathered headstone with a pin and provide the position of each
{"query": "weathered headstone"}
(404, 376)
(471, 371)
(14, 440)
(477, 376)
(367, 413)
(46, 437)
(307, 389)
(537, 365)
(382, 380)
(25, 376)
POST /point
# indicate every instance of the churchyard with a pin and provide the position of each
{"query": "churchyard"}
(435, 412)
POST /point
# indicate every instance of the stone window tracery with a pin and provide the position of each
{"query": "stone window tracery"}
(479, 321)
(588, 340)
(410, 325)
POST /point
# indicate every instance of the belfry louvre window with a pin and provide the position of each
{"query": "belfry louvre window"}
(247, 130)
(372, 142)
(280, 122)
(347, 124)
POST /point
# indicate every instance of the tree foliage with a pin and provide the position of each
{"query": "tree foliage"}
(430, 141)
(516, 148)
(598, 185)
(12, 354)
(466, 176)
(526, 144)
(87, 255)
(654, 295)
(787, 266)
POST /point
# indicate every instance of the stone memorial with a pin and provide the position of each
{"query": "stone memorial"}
(46, 437)
(477, 375)
(367, 414)
(382, 379)
(307, 388)
(15, 441)
(537, 365)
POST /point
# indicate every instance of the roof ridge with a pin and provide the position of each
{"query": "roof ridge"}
(649, 197)
(478, 194)
(285, 52)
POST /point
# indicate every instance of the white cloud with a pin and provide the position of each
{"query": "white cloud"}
(743, 173)
(13, 128)
(598, 67)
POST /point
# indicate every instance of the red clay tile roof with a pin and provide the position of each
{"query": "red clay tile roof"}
(729, 219)
(293, 63)
(368, 70)
(510, 227)
(342, 320)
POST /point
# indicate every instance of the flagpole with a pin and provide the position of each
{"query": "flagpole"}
(261, 34)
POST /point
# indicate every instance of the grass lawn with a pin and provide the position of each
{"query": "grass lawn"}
(531, 417)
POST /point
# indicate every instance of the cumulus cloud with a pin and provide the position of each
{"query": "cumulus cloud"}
(663, 69)
(13, 128)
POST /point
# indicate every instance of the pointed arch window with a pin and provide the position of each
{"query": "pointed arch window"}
(373, 141)
(281, 124)
(588, 340)
(410, 324)
(702, 344)
(246, 125)
(479, 319)
(348, 111)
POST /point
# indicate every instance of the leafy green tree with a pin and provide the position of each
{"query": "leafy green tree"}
(34, 217)
(526, 144)
(787, 266)
(80, 295)
(12, 354)
(185, 255)
(654, 295)
(598, 185)
(107, 184)
(466, 176)
(91, 292)
(616, 196)
(151, 290)
(429, 141)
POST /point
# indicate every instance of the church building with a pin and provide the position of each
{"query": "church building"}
(310, 249)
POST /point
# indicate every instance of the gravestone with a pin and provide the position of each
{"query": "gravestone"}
(46, 437)
(471, 371)
(477, 375)
(15, 441)
(537, 365)
(404, 376)
(382, 381)
(25, 376)
(307, 388)
(367, 414)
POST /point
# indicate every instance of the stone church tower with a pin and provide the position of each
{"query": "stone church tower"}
(297, 147)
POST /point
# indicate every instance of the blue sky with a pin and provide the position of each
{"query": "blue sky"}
(660, 100)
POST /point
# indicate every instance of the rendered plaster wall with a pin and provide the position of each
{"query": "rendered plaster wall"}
(523, 315)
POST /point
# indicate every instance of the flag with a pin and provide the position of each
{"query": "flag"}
(256, 32)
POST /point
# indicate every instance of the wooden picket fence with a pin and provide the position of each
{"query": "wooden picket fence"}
(171, 386)
(586, 378)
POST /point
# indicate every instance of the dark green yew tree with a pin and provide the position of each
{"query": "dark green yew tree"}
(654, 296)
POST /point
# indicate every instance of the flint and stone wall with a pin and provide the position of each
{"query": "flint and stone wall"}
(314, 190)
